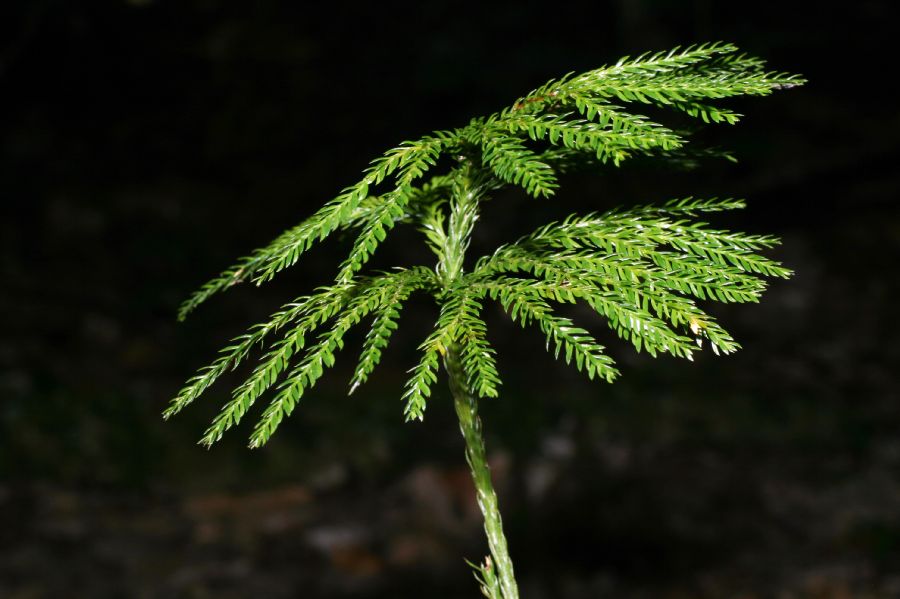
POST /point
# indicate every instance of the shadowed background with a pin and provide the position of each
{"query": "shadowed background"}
(145, 145)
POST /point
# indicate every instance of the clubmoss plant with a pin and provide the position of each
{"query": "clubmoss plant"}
(640, 269)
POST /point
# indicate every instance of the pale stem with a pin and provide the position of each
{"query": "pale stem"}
(470, 425)
(463, 214)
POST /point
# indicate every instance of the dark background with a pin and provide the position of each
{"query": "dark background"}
(146, 144)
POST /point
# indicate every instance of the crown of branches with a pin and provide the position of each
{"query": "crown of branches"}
(641, 269)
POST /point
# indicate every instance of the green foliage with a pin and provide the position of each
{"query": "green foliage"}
(646, 271)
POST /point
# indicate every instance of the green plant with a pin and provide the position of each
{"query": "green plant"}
(640, 268)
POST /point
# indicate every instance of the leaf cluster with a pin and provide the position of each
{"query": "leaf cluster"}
(644, 271)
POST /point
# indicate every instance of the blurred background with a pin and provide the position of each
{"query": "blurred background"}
(144, 145)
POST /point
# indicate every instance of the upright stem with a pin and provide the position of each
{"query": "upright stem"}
(454, 242)
(470, 425)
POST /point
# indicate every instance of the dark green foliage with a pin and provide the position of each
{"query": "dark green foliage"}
(641, 269)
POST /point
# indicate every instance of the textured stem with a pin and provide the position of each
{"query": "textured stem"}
(470, 426)
(467, 190)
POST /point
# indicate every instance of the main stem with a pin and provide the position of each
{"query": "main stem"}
(470, 425)
(463, 214)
